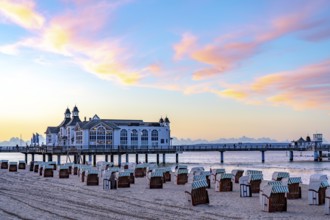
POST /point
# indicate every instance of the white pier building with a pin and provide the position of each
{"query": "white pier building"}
(108, 133)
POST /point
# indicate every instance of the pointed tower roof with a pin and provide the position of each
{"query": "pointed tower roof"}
(161, 120)
(75, 109)
(167, 120)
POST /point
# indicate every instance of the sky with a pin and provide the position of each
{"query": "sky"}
(216, 69)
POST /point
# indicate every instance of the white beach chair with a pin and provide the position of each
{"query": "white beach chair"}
(244, 187)
(327, 202)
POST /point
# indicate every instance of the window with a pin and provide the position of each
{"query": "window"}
(100, 135)
(123, 137)
(154, 138)
(78, 137)
(162, 141)
(134, 138)
(144, 138)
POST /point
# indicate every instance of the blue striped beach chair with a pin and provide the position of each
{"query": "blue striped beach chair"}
(279, 175)
(4, 164)
(215, 172)
(224, 183)
(316, 192)
(327, 202)
(198, 194)
(63, 172)
(181, 176)
(21, 165)
(274, 198)
(255, 181)
(293, 184)
(124, 179)
(245, 187)
(140, 170)
(12, 167)
(237, 174)
(156, 180)
(92, 177)
(48, 170)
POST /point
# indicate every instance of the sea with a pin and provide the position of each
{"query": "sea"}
(303, 165)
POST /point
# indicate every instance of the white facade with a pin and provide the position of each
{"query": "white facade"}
(108, 133)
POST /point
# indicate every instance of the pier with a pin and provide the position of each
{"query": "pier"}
(80, 155)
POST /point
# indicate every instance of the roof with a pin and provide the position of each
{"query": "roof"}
(275, 183)
(52, 130)
(92, 123)
(64, 122)
(67, 111)
(161, 120)
(301, 140)
(74, 121)
(182, 171)
(75, 109)
(167, 120)
(273, 189)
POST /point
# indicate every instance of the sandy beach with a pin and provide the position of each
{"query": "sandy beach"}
(26, 195)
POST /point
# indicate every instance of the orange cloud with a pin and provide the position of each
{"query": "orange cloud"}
(22, 13)
(201, 74)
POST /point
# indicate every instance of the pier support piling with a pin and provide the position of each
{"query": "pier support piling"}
(291, 156)
(320, 155)
(221, 156)
(316, 156)
(177, 158)
(26, 158)
(157, 159)
(146, 158)
(136, 158)
(127, 158)
(43, 157)
(111, 158)
(84, 158)
(106, 158)
(50, 157)
(164, 159)
(262, 156)
(58, 159)
(94, 160)
(119, 160)
(75, 158)
(32, 157)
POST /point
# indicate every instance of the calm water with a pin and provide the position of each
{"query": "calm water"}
(303, 164)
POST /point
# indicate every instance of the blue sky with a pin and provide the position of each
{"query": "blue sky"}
(217, 69)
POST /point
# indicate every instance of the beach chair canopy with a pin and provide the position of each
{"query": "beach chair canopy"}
(206, 173)
(124, 173)
(69, 164)
(275, 183)
(196, 169)
(157, 174)
(218, 171)
(291, 180)
(248, 172)
(167, 169)
(92, 171)
(4, 161)
(225, 176)
(129, 170)
(22, 161)
(317, 184)
(244, 180)
(199, 177)
(273, 189)
(280, 175)
(182, 171)
(317, 176)
(48, 166)
(64, 167)
(199, 184)
(142, 165)
(253, 177)
(114, 169)
(12, 163)
(181, 166)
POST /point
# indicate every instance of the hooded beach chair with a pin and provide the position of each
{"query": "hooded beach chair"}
(12, 167)
(316, 192)
(140, 170)
(244, 187)
(255, 181)
(21, 165)
(92, 177)
(224, 183)
(181, 176)
(124, 179)
(4, 164)
(327, 202)
(274, 198)
(215, 172)
(156, 179)
(198, 194)
(48, 170)
(293, 184)
(237, 174)
(63, 172)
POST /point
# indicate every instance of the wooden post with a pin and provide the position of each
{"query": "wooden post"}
(127, 158)
(50, 157)
(44, 157)
(157, 157)
(111, 158)
(164, 159)
(176, 158)
(146, 158)
(84, 158)
(26, 158)
(106, 158)
(119, 160)
(32, 157)
(320, 155)
(136, 158)
(94, 160)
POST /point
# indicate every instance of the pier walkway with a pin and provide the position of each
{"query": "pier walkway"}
(80, 154)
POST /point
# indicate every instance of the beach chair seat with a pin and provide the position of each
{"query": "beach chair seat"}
(63, 172)
(237, 174)
(255, 181)
(12, 167)
(124, 179)
(274, 198)
(21, 165)
(327, 202)
(198, 194)
(224, 183)
(92, 177)
(156, 180)
(48, 171)
(4, 164)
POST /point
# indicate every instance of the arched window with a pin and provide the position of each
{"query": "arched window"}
(144, 138)
(123, 137)
(154, 138)
(134, 138)
(100, 135)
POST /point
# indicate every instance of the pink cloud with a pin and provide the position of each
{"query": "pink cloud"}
(185, 46)
(305, 88)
